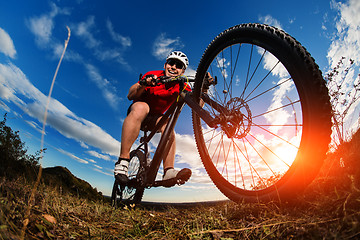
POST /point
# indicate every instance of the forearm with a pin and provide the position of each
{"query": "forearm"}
(135, 91)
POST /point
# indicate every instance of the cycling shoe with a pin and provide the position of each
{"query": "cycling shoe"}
(173, 177)
(121, 171)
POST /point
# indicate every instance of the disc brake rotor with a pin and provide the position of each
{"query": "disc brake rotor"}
(238, 119)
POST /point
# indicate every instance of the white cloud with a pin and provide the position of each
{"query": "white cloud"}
(187, 151)
(58, 48)
(269, 20)
(105, 173)
(36, 126)
(346, 43)
(222, 64)
(108, 91)
(347, 40)
(87, 30)
(98, 155)
(82, 144)
(90, 160)
(27, 97)
(164, 45)
(282, 115)
(124, 41)
(42, 26)
(97, 166)
(271, 63)
(6, 44)
(72, 156)
(4, 106)
(5, 92)
(292, 20)
(84, 31)
(190, 72)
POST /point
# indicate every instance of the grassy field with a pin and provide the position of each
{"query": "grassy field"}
(328, 209)
(61, 216)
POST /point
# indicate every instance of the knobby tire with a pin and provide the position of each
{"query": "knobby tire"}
(263, 73)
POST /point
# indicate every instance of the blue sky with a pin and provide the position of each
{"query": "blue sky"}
(111, 43)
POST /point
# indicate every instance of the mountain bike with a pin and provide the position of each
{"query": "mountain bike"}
(262, 129)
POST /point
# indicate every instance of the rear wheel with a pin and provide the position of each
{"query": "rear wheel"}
(133, 191)
(272, 113)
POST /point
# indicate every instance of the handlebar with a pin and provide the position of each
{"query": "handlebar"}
(182, 78)
(179, 79)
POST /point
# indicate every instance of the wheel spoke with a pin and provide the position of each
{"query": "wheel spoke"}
(268, 90)
(263, 95)
(275, 109)
(251, 97)
(129, 193)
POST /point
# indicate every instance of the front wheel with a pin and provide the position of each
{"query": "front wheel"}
(272, 113)
(133, 191)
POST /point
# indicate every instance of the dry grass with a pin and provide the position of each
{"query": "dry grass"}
(328, 209)
(321, 213)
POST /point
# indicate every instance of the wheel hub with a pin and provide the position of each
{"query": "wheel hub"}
(238, 119)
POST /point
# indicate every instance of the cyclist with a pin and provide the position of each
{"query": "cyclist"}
(150, 101)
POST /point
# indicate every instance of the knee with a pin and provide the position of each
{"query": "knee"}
(139, 110)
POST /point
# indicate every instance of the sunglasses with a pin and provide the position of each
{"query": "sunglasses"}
(177, 64)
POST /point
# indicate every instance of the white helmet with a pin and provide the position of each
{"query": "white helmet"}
(179, 56)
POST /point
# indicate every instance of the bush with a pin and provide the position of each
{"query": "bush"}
(14, 159)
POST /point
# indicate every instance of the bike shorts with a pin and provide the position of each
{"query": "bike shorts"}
(149, 122)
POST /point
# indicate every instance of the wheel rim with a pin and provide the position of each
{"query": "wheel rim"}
(256, 148)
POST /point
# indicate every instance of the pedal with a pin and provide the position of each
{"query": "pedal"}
(165, 183)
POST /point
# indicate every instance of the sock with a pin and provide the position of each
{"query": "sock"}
(165, 170)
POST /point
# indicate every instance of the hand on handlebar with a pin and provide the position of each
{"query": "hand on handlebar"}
(208, 80)
(148, 80)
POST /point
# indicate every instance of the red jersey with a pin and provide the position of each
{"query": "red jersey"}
(160, 97)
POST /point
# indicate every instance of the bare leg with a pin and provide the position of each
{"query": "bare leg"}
(170, 157)
(131, 127)
(172, 176)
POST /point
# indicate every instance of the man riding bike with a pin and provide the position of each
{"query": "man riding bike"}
(150, 101)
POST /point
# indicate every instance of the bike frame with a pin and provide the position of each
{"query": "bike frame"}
(170, 118)
(248, 154)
